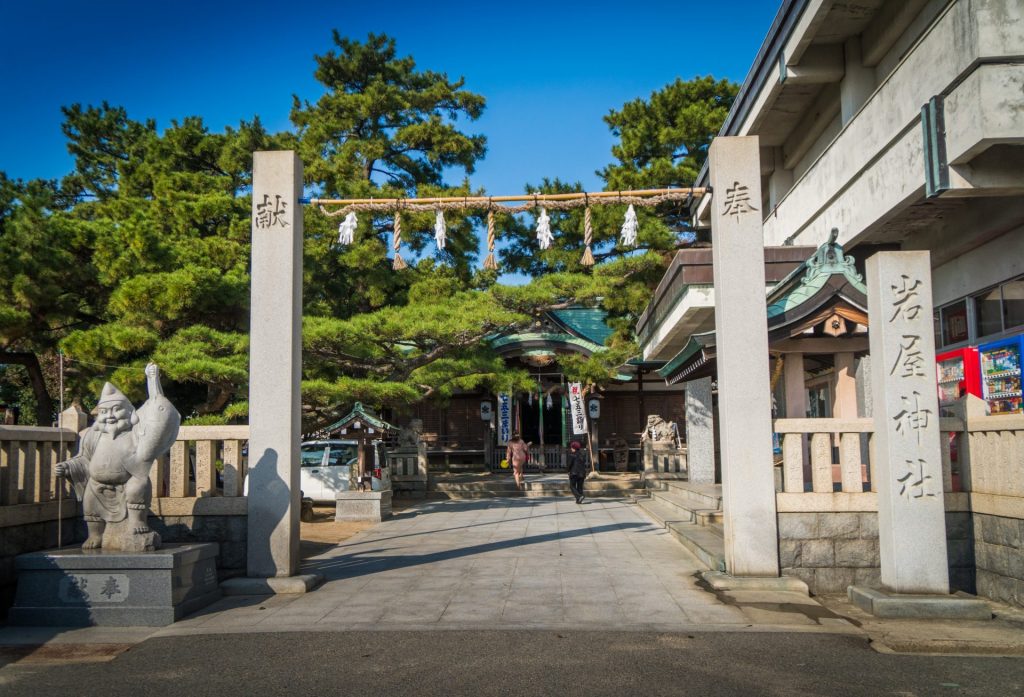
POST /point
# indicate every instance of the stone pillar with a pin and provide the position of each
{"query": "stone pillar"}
(700, 432)
(908, 465)
(864, 387)
(796, 401)
(741, 328)
(73, 419)
(422, 466)
(275, 363)
(844, 402)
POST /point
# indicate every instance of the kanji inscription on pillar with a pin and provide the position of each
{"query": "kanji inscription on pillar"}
(737, 200)
(271, 212)
(907, 463)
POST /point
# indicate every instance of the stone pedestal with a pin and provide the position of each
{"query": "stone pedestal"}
(918, 606)
(76, 588)
(663, 457)
(409, 471)
(363, 506)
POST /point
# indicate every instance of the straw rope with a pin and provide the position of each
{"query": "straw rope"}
(560, 202)
(531, 201)
(490, 262)
(588, 237)
(396, 242)
(779, 362)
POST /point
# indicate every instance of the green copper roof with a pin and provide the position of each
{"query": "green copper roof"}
(587, 323)
(696, 344)
(547, 337)
(365, 415)
(827, 261)
(801, 285)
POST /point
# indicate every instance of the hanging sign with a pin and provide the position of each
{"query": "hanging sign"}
(594, 408)
(486, 410)
(577, 409)
(504, 418)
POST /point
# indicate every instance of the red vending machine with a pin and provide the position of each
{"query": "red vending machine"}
(959, 374)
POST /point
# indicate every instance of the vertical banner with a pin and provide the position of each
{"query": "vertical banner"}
(504, 418)
(577, 409)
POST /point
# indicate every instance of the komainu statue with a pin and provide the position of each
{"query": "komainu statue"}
(660, 431)
(409, 436)
(110, 474)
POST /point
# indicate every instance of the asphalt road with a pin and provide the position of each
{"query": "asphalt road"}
(447, 663)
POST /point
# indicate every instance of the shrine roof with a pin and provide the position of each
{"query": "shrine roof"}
(823, 286)
(584, 322)
(365, 415)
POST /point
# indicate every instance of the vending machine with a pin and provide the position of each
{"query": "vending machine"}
(1000, 375)
(958, 375)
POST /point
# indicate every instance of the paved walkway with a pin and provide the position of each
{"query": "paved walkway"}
(507, 563)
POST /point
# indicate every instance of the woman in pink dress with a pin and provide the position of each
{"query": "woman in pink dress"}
(517, 454)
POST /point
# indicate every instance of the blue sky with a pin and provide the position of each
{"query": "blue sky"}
(549, 71)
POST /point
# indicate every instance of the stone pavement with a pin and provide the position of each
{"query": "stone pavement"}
(522, 564)
(504, 563)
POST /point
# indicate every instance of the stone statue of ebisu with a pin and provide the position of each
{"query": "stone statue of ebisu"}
(110, 474)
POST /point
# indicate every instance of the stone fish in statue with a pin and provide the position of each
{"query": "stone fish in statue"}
(110, 474)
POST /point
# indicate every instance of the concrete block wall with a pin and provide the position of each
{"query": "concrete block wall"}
(999, 556)
(229, 531)
(31, 537)
(831, 551)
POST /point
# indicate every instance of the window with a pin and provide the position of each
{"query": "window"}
(342, 454)
(988, 313)
(954, 323)
(312, 456)
(1000, 309)
(1013, 303)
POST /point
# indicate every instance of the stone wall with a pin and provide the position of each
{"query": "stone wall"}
(999, 555)
(831, 551)
(30, 528)
(229, 531)
(220, 519)
(33, 527)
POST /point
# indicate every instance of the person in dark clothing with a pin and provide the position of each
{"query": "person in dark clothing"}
(579, 466)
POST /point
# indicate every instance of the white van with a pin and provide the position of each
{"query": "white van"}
(326, 467)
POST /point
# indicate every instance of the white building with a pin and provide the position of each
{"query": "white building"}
(899, 123)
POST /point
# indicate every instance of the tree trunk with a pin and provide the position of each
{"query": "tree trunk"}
(44, 405)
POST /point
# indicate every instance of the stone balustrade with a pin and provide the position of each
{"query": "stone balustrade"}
(993, 461)
(27, 458)
(199, 448)
(809, 447)
(28, 455)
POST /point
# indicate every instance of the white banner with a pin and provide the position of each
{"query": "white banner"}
(504, 418)
(577, 409)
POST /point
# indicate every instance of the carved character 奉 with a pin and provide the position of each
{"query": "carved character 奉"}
(110, 474)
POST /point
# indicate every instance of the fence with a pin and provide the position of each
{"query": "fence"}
(979, 453)
(27, 458)
(28, 455)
